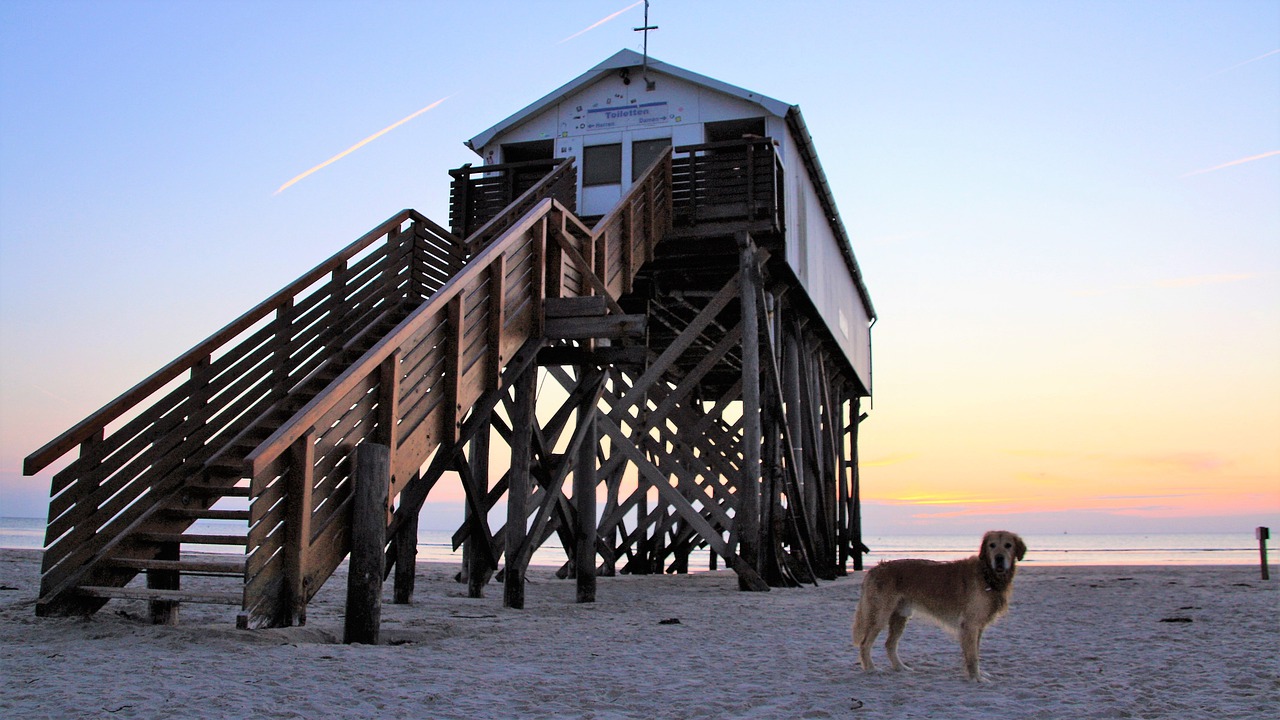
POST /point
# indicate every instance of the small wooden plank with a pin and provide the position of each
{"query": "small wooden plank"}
(615, 355)
(192, 539)
(587, 328)
(207, 514)
(132, 593)
(190, 567)
(587, 306)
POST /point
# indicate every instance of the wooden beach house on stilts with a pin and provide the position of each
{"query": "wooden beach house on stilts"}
(645, 304)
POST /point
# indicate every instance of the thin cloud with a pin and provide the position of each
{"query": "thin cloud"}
(359, 145)
(1233, 163)
(600, 22)
(887, 460)
(1198, 280)
(1173, 283)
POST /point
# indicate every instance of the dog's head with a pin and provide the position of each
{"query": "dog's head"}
(1001, 550)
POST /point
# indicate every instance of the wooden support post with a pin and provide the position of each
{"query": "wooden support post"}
(1263, 533)
(855, 520)
(371, 473)
(475, 557)
(584, 491)
(522, 421)
(747, 519)
(406, 559)
(165, 612)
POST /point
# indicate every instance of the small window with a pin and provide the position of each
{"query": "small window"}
(602, 165)
(522, 152)
(734, 129)
(644, 152)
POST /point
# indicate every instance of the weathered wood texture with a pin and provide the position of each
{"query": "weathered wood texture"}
(371, 476)
(412, 338)
(447, 349)
(485, 200)
(180, 436)
(727, 181)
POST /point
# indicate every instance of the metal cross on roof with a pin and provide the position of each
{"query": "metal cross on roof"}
(649, 84)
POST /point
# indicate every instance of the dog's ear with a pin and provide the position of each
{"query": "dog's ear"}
(1020, 548)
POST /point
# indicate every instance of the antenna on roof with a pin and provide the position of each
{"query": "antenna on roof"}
(648, 84)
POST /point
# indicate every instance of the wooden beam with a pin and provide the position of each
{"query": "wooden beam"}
(406, 550)
(518, 491)
(747, 520)
(584, 490)
(478, 553)
(372, 477)
(589, 328)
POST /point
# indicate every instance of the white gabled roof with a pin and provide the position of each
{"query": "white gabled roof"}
(777, 108)
(625, 59)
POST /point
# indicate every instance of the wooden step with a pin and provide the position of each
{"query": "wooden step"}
(218, 490)
(192, 538)
(232, 568)
(131, 593)
(202, 514)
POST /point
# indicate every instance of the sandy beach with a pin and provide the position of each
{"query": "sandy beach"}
(1107, 642)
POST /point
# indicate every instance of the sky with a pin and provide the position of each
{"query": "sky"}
(1067, 214)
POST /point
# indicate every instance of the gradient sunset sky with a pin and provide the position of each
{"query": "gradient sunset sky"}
(1067, 213)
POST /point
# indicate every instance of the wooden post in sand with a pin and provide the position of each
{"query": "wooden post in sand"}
(584, 495)
(747, 517)
(406, 541)
(372, 476)
(1263, 533)
(519, 488)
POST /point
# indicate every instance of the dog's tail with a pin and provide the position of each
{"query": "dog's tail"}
(861, 623)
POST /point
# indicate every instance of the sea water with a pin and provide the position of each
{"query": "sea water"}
(1050, 549)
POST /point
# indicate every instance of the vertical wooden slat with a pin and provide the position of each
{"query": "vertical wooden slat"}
(539, 279)
(301, 481)
(497, 317)
(389, 401)
(453, 368)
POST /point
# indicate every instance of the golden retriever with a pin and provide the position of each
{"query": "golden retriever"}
(963, 596)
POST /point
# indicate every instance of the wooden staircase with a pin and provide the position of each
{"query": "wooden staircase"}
(397, 339)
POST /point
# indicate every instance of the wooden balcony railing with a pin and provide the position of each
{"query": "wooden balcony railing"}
(486, 200)
(727, 181)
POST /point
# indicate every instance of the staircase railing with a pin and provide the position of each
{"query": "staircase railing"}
(413, 389)
(140, 447)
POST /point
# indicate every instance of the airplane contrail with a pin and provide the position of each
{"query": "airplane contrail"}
(600, 22)
(1233, 163)
(1246, 62)
(360, 144)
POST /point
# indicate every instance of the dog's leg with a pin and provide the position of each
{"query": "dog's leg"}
(865, 630)
(897, 623)
(970, 640)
